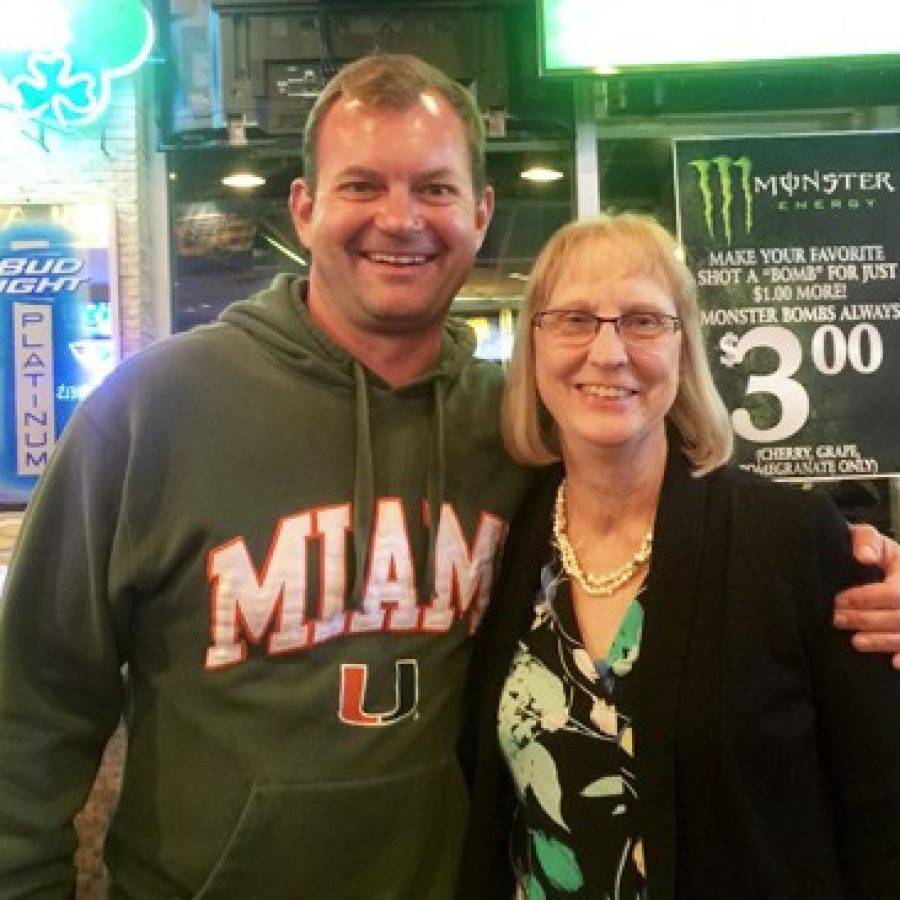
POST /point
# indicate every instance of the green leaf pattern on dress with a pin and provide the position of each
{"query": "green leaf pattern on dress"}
(558, 862)
(536, 701)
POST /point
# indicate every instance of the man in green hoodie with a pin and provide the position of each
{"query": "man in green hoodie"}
(284, 527)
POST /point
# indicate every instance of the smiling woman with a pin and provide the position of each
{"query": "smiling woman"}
(610, 386)
(629, 265)
(658, 658)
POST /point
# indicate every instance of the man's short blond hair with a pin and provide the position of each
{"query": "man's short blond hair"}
(395, 81)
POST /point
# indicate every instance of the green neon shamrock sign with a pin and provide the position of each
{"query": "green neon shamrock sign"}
(58, 58)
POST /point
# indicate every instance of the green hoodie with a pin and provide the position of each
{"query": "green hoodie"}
(239, 517)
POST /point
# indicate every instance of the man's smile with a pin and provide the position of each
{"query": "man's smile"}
(397, 259)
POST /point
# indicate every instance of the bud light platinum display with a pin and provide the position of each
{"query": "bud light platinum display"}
(58, 328)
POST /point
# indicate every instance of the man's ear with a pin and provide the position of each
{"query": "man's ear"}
(300, 203)
(484, 210)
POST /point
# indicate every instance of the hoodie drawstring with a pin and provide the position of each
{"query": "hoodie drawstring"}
(363, 484)
(437, 468)
(364, 479)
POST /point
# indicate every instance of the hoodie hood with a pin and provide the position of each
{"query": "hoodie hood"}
(279, 321)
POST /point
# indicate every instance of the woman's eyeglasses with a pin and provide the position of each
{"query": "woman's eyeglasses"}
(576, 326)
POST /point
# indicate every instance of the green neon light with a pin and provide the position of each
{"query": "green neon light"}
(59, 58)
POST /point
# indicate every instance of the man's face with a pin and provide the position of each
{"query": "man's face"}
(394, 224)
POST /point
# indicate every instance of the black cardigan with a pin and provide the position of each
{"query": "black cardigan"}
(767, 749)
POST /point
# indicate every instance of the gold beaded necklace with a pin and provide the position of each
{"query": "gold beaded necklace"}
(595, 585)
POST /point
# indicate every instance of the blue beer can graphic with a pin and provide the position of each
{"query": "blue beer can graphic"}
(56, 335)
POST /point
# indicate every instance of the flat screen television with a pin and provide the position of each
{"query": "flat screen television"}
(605, 37)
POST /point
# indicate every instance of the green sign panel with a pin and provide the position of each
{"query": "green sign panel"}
(605, 37)
(795, 244)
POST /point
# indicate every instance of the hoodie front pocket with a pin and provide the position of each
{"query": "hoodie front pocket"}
(390, 838)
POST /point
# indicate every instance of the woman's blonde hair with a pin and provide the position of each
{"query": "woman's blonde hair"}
(638, 246)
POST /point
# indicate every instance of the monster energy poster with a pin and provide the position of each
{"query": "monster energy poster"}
(795, 244)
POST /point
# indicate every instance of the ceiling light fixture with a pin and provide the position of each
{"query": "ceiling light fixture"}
(541, 174)
(243, 180)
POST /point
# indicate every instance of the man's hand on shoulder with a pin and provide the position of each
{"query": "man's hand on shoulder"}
(873, 610)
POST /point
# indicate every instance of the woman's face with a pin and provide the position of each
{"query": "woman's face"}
(607, 393)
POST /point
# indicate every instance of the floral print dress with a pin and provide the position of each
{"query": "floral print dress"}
(575, 834)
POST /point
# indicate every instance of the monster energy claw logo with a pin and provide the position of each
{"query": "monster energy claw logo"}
(725, 170)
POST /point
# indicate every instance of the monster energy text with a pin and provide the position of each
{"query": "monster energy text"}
(790, 183)
(726, 182)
